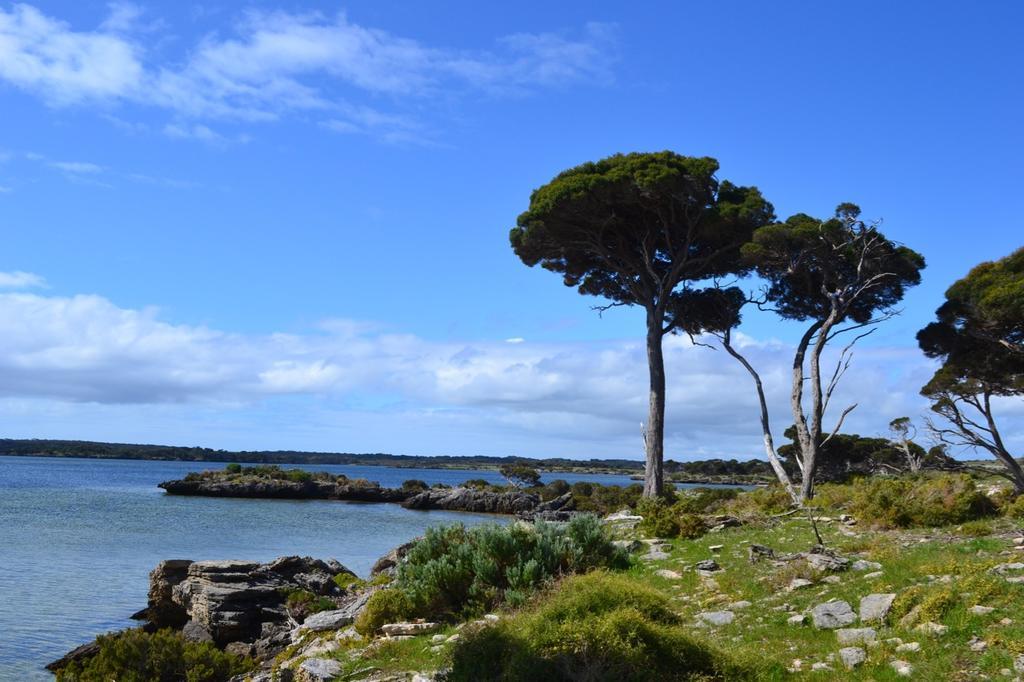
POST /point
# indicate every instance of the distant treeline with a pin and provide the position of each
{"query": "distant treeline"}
(94, 450)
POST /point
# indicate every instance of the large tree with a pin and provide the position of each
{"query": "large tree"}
(836, 276)
(979, 336)
(637, 229)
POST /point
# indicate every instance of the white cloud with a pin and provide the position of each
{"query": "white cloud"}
(77, 167)
(20, 280)
(574, 397)
(272, 63)
(4, 189)
(44, 55)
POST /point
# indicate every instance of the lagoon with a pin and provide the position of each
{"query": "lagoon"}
(78, 538)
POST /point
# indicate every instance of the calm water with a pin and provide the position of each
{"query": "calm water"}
(78, 538)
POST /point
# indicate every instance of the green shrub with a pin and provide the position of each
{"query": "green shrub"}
(384, 606)
(414, 485)
(1015, 508)
(605, 499)
(298, 475)
(233, 468)
(302, 603)
(975, 529)
(135, 656)
(455, 571)
(691, 526)
(660, 520)
(905, 502)
(763, 501)
(594, 627)
(704, 500)
(555, 488)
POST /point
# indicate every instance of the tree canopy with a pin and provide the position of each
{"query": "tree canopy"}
(642, 229)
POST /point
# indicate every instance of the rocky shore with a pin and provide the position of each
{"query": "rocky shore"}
(243, 608)
(467, 499)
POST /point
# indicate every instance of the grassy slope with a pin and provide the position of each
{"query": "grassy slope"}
(760, 635)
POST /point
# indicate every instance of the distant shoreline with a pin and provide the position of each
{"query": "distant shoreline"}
(719, 471)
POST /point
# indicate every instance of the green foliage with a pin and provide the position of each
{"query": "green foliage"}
(606, 499)
(763, 501)
(164, 656)
(704, 500)
(384, 606)
(905, 502)
(1015, 508)
(598, 627)
(233, 468)
(805, 259)
(691, 526)
(979, 331)
(302, 603)
(555, 488)
(520, 475)
(660, 519)
(414, 485)
(299, 476)
(457, 571)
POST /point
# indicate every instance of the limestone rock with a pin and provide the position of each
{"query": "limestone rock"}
(902, 668)
(409, 629)
(862, 565)
(832, 615)
(856, 635)
(981, 610)
(668, 574)
(875, 607)
(717, 617)
(318, 670)
(932, 628)
(852, 656)
(908, 646)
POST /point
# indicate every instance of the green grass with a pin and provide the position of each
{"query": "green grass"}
(760, 638)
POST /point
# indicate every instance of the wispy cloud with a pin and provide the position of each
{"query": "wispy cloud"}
(77, 167)
(20, 280)
(87, 349)
(271, 63)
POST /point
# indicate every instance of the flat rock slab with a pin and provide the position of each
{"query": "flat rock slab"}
(328, 620)
(856, 635)
(875, 607)
(852, 656)
(832, 615)
(408, 629)
(318, 670)
(668, 574)
(717, 617)
(862, 565)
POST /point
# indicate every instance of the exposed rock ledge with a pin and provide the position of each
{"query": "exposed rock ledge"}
(452, 499)
(241, 606)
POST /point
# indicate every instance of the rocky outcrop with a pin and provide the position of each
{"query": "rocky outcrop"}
(473, 500)
(450, 499)
(231, 601)
(267, 488)
(241, 605)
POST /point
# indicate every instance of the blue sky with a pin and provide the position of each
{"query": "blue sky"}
(284, 225)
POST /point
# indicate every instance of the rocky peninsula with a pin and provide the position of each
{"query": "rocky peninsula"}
(274, 483)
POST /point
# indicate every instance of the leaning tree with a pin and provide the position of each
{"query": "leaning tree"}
(979, 336)
(836, 276)
(635, 229)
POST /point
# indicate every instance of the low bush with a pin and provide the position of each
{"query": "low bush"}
(1014, 508)
(384, 606)
(456, 571)
(414, 485)
(704, 500)
(163, 656)
(594, 627)
(905, 502)
(233, 468)
(691, 526)
(660, 519)
(763, 501)
(302, 603)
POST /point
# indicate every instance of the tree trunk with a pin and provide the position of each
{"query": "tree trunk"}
(808, 446)
(1000, 451)
(654, 436)
(766, 427)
